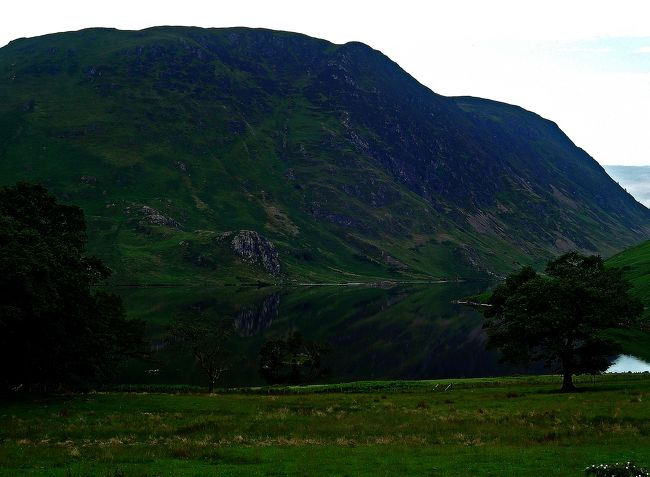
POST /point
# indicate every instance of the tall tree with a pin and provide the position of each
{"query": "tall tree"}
(562, 317)
(206, 336)
(55, 330)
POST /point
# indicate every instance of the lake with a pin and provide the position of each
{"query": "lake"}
(628, 364)
(392, 332)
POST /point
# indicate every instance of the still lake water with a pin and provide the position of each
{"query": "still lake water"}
(401, 332)
(628, 364)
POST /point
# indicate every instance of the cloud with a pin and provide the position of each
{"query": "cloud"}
(634, 180)
(579, 49)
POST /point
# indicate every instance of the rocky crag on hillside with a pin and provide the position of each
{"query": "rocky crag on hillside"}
(256, 249)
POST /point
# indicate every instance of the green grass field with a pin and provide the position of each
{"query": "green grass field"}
(499, 426)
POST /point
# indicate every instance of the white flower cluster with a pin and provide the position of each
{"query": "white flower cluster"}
(617, 470)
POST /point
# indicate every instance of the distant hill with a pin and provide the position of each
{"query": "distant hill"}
(243, 155)
(635, 179)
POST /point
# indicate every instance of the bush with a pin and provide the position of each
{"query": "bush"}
(627, 469)
(293, 360)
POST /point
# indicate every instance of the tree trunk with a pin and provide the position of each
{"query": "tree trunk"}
(567, 383)
(567, 368)
(211, 386)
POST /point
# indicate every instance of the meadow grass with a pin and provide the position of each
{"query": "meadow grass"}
(509, 426)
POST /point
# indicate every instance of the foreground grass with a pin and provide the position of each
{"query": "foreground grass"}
(474, 427)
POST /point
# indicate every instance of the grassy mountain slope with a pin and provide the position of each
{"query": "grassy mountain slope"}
(635, 263)
(170, 137)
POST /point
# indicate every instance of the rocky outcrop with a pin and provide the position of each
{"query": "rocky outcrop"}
(254, 248)
(153, 216)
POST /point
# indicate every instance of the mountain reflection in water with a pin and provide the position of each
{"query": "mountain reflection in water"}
(400, 332)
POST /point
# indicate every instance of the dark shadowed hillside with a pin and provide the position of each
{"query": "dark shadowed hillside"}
(243, 155)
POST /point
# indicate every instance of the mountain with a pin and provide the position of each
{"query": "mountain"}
(635, 180)
(239, 155)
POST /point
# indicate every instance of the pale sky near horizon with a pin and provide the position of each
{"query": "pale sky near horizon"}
(584, 64)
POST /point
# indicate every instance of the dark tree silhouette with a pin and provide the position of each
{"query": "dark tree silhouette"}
(293, 360)
(206, 336)
(562, 317)
(55, 330)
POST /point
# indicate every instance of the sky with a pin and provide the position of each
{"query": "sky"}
(584, 64)
(636, 180)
